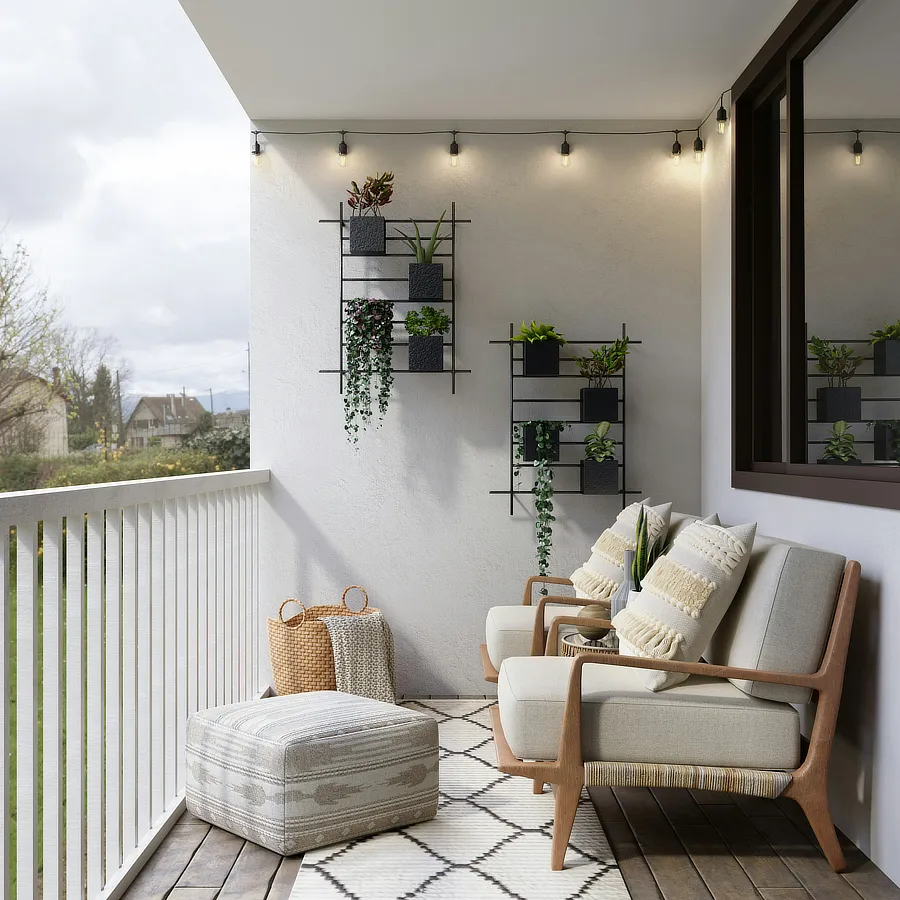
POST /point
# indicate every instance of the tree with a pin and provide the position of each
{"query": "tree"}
(30, 338)
(105, 407)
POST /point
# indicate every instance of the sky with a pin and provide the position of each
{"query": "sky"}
(124, 169)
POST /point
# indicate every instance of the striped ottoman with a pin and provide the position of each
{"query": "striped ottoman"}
(306, 770)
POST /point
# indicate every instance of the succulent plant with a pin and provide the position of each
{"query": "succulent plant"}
(535, 333)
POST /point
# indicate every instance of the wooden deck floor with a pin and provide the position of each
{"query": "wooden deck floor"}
(670, 844)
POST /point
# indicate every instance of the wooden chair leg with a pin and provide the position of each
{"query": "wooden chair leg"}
(815, 808)
(537, 786)
(567, 797)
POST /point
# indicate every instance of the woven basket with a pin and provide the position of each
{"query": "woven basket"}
(300, 648)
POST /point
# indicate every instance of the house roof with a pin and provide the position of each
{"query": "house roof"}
(171, 409)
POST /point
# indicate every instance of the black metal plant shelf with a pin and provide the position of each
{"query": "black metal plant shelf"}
(450, 239)
(512, 491)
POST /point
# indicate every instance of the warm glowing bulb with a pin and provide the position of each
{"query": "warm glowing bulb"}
(857, 151)
(857, 159)
(698, 156)
(343, 152)
(454, 160)
(720, 126)
(564, 150)
(698, 148)
(565, 160)
(342, 160)
(454, 152)
(257, 154)
(721, 116)
(676, 159)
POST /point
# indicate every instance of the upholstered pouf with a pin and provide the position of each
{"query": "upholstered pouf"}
(306, 770)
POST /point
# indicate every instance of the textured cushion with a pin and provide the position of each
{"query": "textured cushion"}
(701, 722)
(781, 615)
(599, 577)
(509, 629)
(684, 597)
(306, 770)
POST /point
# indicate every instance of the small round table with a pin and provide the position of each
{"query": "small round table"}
(574, 643)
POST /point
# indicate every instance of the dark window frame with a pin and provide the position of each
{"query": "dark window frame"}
(764, 458)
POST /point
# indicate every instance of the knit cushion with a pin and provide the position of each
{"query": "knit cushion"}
(684, 597)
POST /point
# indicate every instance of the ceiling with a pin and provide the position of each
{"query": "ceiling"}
(482, 59)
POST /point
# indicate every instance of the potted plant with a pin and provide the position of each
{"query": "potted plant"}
(839, 449)
(368, 345)
(426, 278)
(887, 439)
(545, 453)
(838, 401)
(541, 345)
(886, 346)
(367, 229)
(426, 329)
(600, 467)
(599, 401)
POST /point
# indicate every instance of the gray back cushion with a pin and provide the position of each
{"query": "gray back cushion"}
(781, 616)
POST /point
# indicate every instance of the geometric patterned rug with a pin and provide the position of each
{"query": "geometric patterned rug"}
(490, 840)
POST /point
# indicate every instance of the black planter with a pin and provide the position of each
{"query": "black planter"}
(367, 236)
(884, 442)
(600, 404)
(839, 462)
(600, 477)
(531, 443)
(542, 357)
(836, 404)
(426, 281)
(426, 354)
(887, 358)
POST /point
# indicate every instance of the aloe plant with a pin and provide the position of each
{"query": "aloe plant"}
(424, 254)
(535, 333)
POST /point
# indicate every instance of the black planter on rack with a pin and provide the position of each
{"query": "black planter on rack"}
(839, 462)
(600, 404)
(426, 281)
(836, 404)
(426, 354)
(542, 357)
(599, 477)
(884, 442)
(367, 236)
(887, 358)
(531, 447)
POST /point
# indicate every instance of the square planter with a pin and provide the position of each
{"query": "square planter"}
(600, 477)
(835, 404)
(367, 236)
(531, 444)
(600, 404)
(837, 462)
(426, 281)
(542, 358)
(426, 354)
(884, 442)
(887, 357)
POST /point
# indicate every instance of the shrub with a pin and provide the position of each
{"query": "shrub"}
(129, 467)
(19, 473)
(230, 446)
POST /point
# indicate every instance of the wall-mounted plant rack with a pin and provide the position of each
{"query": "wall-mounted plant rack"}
(517, 373)
(344, 237)
(813, 376)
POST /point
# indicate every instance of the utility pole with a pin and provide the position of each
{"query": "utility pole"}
(121, 433)
(211, 410)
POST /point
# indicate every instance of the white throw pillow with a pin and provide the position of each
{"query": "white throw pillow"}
(596, 581)
(684, 597)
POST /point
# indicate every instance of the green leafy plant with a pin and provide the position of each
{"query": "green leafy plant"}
(543, 483)
(426, 322)
(598, 446)
(604, 362)
(424, 253)
(368, 343)
(840, 443)
(376, 192)
(893, 426)
(230, 446)
(535, 333)
(838, 364)
(646, 550)
(890, 332)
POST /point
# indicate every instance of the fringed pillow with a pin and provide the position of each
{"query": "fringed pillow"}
(596, 581)
(684, 597)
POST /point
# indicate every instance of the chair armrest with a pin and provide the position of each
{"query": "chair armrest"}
(553, 637)
(541, 579)
(537, 635)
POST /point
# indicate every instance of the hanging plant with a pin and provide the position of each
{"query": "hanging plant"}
(543, 482)
(368, 343)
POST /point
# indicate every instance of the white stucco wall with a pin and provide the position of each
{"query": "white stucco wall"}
(865, 783)
(613, 238)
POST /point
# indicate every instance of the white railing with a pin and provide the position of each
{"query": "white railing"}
(125, 607)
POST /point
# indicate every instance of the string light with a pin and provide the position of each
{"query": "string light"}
(454, 151)
(565, 149)
(676, 150)
(343, 151)
(857, 150)
(721, 116)
(257, 150)
(698, 147)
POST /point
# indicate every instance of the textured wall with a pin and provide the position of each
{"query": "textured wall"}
(613, 238)
(865, 785)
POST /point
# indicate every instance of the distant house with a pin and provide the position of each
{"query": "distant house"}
(171, 419)
(44, 430)
(231, 418)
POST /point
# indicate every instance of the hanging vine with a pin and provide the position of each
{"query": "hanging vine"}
(368, 343)
(543, 483)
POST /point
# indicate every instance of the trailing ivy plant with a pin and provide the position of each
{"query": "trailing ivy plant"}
(427, 322)
(603, 362)
(368, 343)
(543, 483)
(890, 332)
(838, 364)
(840, 443)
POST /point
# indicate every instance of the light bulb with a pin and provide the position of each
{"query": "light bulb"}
(698, 149)
(565, 150)
(454, 152)
(565, 160)
(720, 126)
(721, 116)
(676, 152)
(343, 152)
(257, 153)
(857, 159)
(857, 151)
(342, 160)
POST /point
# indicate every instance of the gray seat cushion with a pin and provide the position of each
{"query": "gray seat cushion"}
(508, 629)
(781, 615)
(700, 722)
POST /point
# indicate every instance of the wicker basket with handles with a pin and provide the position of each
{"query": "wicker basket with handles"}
(300, 649)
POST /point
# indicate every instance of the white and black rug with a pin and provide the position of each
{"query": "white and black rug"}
(490, 840)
